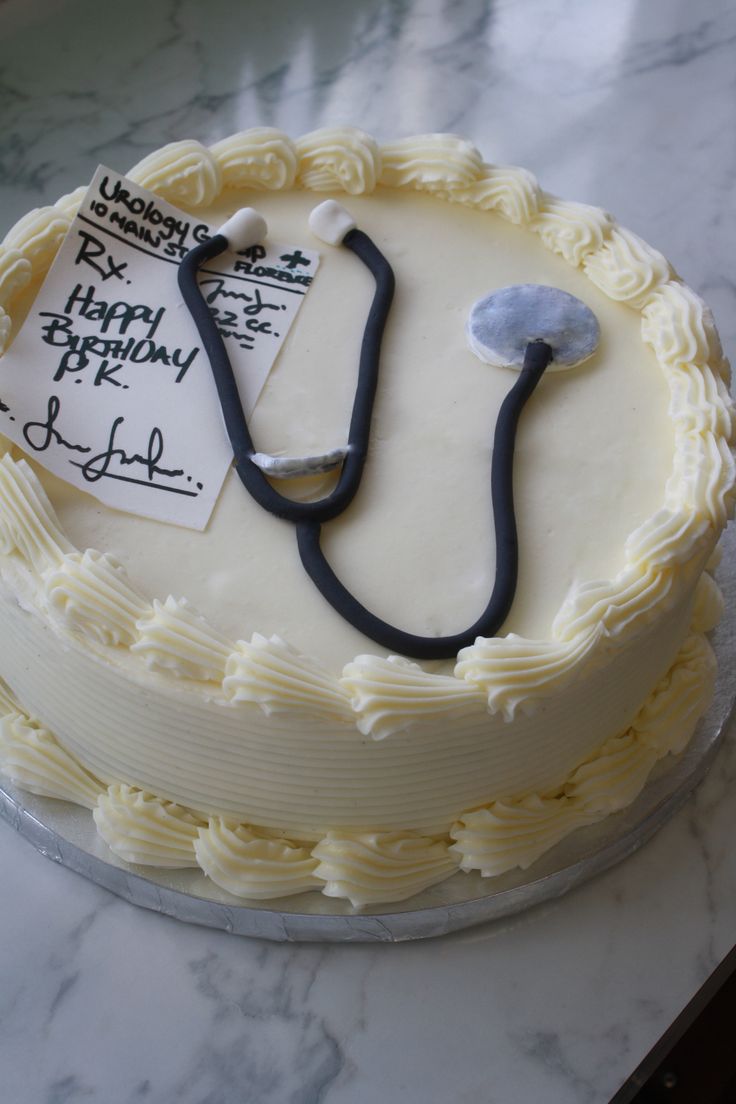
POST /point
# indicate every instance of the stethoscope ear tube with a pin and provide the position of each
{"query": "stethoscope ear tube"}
(214, 346)
(236, 425)
(309, 516)
(538, 356)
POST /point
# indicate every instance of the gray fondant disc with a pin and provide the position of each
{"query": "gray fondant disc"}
(501, 326)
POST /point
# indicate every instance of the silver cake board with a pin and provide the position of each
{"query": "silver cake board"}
(66, 834)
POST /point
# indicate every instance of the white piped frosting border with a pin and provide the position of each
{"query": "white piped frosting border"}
(371, 868)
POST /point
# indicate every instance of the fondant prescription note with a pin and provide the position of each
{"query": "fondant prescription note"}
(107, 384)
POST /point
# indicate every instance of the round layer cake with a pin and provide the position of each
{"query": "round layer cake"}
(197, 691)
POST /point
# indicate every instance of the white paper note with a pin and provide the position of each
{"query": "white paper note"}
(107, 384)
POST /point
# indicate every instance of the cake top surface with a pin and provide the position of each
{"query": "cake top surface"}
(597, 444)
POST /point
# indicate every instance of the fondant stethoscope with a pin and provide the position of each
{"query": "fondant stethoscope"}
(528, 326)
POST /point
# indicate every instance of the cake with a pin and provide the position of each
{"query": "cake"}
(195, 690)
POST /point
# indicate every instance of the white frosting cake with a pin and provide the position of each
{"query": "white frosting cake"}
(198, 693)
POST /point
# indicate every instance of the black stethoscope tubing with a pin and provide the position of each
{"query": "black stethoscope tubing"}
(227, 389)
(507, 545)
(309, 516)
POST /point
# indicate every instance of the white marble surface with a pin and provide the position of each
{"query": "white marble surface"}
(629, 105)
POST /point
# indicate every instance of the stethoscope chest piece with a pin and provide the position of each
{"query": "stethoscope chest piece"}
(503, 324)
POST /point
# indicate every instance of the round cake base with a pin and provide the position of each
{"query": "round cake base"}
(66, 834)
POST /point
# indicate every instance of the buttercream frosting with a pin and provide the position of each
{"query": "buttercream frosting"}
(183, 172)
(668, 537)
(32, 758)
(510, 190)
(708, 608)
(16, 271)
(515, 672)
(571, 229)
(174, 637)
(391, 695)
(376, 758)
(369, 868)
(37, 235)
(250, 865)
(380, 866)
(274, 675)
(6, 326)
(28, 526)
(666, 720)
(89, 592)
(258, 158)
(626, 268)
(625, 604)
(342, 159)
(141, 828)
(431, 162)
(507, 834)
(680, 328)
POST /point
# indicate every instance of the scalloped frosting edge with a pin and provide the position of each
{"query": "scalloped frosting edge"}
(88, 595)
(372, 867)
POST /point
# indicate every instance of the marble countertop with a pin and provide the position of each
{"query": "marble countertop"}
(625, 105)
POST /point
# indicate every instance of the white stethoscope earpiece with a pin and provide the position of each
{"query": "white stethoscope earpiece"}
(330, 222)
(245, 228)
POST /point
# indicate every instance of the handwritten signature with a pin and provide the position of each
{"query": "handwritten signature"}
(50, 434)
(41, 435)
(255, 304)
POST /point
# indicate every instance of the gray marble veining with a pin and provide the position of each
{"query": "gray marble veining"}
(628, 105)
